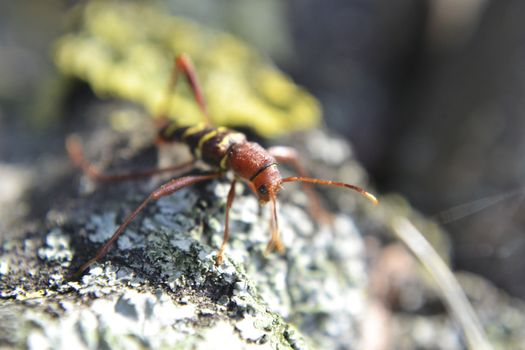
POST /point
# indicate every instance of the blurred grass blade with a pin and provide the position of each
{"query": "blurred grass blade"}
(453, 295)
(464, 210)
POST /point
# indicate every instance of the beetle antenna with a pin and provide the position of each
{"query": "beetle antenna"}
(368, 195)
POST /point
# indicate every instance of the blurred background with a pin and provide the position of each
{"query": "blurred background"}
(429, 92)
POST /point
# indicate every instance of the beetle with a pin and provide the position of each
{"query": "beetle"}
(224, 150)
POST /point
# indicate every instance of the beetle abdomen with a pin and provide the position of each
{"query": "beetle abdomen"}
(207, 143)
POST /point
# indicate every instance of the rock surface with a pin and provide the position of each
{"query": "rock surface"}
(159, 287)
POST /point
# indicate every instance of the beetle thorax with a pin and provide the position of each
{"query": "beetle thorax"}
(253, 163)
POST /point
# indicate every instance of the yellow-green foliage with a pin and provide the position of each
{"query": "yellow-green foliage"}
(127, 50)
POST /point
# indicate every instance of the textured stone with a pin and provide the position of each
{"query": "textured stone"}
(159, 285)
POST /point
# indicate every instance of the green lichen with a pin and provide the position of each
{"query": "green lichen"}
(126, 50)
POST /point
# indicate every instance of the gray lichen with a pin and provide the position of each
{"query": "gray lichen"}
(159, 286)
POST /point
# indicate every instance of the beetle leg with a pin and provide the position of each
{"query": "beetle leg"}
(275, 240)
(164, 190)
(288, 155)
(229, 203)
(184, 64)
(76, 154)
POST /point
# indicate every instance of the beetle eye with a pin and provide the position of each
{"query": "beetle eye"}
(263, 189)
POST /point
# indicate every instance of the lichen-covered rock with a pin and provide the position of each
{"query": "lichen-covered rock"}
(159, 286)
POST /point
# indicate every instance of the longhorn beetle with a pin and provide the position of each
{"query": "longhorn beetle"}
(224, 150)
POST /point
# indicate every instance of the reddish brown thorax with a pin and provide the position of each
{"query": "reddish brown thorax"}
(253, 163)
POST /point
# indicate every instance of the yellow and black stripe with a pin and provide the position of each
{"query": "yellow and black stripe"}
(205, 142)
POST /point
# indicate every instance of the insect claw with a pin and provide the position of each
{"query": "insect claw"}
(274, 244)
(219, 259)
(279, 246)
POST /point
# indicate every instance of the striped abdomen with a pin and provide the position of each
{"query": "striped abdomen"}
(205, 142)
